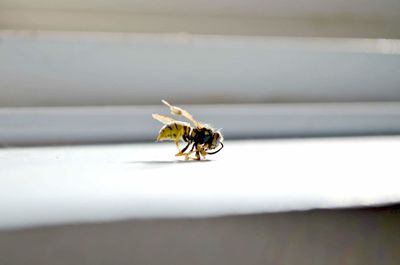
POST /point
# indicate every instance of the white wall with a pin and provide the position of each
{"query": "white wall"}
(353, 18)
(53, 69)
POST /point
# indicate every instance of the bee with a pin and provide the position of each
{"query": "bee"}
(201, 136)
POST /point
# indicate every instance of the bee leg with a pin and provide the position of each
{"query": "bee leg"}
(203, 152)
(182, 152)
(198, 150)
(177, 146)
(187, 156)
(177, 137)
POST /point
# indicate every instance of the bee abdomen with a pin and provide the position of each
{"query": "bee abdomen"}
(174, 131)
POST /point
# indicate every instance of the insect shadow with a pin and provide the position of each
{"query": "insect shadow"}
(151, 164)
(166, 162)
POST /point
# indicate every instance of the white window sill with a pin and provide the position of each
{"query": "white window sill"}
(53, 185)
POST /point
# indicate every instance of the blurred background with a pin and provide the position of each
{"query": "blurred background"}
(93, 71)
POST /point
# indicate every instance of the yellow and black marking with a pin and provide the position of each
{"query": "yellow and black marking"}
(174, 131)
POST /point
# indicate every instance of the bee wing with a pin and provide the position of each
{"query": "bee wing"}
(163, 119)
(178, 111)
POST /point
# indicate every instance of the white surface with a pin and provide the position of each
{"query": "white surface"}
(55, 125)
(64, 69)
(92, 183)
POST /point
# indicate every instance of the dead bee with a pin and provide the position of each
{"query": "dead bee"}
(202, 137)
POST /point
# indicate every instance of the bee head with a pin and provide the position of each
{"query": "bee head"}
(216, 140)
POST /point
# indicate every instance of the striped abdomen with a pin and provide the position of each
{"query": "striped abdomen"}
(174, 131)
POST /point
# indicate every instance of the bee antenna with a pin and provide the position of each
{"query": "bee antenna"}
(212, 153)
